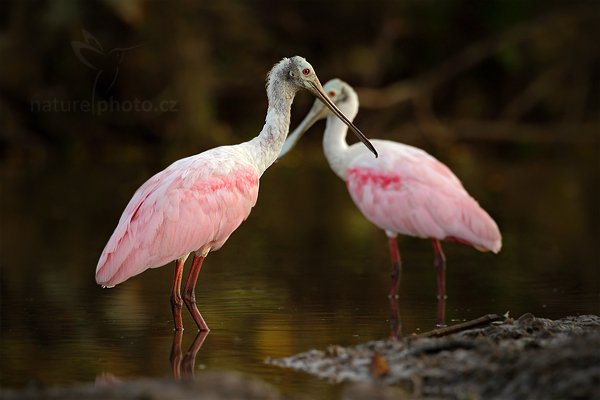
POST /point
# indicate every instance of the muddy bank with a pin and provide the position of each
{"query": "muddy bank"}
(205, 386)
(529, 357)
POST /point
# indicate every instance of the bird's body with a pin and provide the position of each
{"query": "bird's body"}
(195, 204)
(404, 191)
(192, 206)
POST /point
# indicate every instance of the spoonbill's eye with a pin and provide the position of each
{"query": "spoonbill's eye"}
(331, 93)
(306, 71)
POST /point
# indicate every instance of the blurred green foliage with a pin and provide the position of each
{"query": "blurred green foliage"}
(533, 61)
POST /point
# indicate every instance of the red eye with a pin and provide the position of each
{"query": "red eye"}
(306, 71)
(331, 93)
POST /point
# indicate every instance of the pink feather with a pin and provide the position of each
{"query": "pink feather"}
(191, 206)
(407, 191)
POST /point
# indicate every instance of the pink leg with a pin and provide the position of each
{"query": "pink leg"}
(440, 266)
(176, 301)
(175, 357)
(189, 294)
(396, 267)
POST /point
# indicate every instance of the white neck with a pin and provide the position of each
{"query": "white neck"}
(334, 138)
(335, 146)
(264, 149)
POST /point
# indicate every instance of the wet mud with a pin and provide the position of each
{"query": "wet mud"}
(528, 357)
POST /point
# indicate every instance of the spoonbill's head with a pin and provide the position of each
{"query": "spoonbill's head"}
(337, 92)
(297, 73)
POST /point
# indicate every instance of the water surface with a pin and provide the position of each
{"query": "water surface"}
(306, 270)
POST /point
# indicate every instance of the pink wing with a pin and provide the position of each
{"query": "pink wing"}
(409, 192)
(193, 205)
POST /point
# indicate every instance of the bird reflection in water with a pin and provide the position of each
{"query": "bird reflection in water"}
(396, 321)
(186, 362)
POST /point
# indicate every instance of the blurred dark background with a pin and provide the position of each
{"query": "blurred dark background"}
(507, 71)
(97, 96)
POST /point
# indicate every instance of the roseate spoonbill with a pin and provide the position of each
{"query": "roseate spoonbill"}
(404, 191)
(197, 202)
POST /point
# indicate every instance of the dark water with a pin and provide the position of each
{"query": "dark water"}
(305, 271)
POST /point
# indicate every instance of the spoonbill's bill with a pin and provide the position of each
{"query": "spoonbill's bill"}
(197, 202)
(404, 191)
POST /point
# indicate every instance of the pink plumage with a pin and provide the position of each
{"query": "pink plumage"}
(195, 204)
(409, 192)
(403, 191)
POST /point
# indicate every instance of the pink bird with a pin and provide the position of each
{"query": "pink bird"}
(404, 191)
(196, 203)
